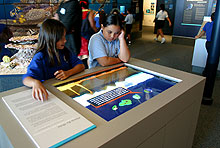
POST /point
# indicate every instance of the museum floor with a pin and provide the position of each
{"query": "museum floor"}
(180, 57)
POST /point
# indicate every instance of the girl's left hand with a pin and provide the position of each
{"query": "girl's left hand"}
(121, 35)
(61, 75)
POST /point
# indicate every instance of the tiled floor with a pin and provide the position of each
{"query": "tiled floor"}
(180, 57)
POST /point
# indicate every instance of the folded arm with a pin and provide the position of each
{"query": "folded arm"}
(106, 61)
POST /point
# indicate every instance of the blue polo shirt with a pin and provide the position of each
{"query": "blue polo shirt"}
(100, 47)
(208, 29)
(40, 69)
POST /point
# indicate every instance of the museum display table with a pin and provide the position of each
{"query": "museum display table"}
(200, 54)
(168, 120)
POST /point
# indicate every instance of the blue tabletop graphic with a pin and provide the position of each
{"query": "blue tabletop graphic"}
(117, 91)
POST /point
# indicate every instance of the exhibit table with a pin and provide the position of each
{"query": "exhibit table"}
(200, 54)
(167, 120)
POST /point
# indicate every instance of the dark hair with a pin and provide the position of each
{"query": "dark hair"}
(84, 4)
(162, 7)
(112, 19)
(51, 31)
(129, 10)
(213, 16)
(5, 35)
(115, 10)
(102, 16)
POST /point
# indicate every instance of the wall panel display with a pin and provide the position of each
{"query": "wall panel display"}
(149, 12)
(22, 15)
(194, 11)
(169, 4)
(19, 28)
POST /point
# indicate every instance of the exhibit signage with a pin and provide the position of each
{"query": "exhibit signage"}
(49, 124)
(194, 11)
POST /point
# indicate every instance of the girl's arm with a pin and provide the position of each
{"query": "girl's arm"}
(61, 74)
(91, 20)
(38, 90)
(124, 54)
(200, 34)
(169, 21)
(106, 61)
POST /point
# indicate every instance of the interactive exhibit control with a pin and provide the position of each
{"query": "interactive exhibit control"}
(112, 92)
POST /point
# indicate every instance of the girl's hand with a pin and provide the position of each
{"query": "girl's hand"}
(61, 75)
(121, 35)
(170, 24)
(196, 37)
(38, 91)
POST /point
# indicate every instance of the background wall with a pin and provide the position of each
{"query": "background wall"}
(109, 5)
(149, 10)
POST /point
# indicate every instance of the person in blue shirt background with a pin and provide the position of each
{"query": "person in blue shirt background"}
(108, 46)
(207, 29)
(51, 60)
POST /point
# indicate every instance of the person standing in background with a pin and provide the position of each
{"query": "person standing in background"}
(207, 29)
(70, 14)
(160, 21)
(129, 19)
(88, 16)
(116, 11)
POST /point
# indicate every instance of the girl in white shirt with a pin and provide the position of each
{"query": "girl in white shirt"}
(161, 16)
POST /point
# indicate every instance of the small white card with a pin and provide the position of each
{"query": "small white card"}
(62, 11)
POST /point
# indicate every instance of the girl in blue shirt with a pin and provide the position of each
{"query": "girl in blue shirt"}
(51, 60)
(108, 46)
(207, 29)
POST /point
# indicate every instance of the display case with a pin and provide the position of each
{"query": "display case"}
(23, 16)
(20, 21)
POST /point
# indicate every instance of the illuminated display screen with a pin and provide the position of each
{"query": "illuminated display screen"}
(113, 92)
